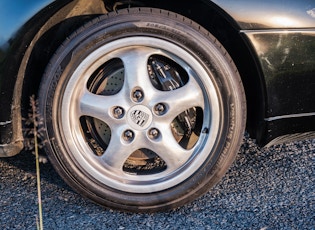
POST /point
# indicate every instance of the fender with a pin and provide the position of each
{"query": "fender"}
(20, 21)
(281, 36)
(30, 21)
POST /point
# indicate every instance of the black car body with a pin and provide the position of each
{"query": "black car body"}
(272, 44)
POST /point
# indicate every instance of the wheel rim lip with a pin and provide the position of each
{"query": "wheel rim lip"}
(83, 155)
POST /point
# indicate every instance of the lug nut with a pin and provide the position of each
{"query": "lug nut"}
(118, 112)
(128, 135)
(159, 109)
(154, 133)
(137, 95)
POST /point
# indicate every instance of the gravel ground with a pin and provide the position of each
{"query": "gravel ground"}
(264, 189)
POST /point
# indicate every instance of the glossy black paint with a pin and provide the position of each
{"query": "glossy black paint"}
(271, 42)
(20, 22)
(15, 14)
(12, 47)
(287, 59)
(24, 55)
(270, 14)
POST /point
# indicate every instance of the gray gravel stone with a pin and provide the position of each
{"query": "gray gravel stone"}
(264, 189)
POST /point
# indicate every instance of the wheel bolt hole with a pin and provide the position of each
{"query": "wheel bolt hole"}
(118, 112)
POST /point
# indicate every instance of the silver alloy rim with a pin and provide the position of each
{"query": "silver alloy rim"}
(156, 135)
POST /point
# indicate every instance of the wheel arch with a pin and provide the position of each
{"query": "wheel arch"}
(57, 28)
(29, 51)
(16, 53)
(58, 21)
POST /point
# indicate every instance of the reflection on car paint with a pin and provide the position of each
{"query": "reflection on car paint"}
(287, 59)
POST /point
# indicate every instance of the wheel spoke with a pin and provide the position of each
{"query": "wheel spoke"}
(99, 106)
(136, 70)
(181, 99)
(170, 151)
(117, 151)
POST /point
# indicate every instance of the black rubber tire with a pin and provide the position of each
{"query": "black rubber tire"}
(187, 35)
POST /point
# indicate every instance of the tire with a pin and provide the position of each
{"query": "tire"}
(143, 110)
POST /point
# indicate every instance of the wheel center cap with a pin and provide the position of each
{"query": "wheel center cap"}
(139, 117)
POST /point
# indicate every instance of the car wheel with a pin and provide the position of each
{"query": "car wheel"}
(143, 110)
